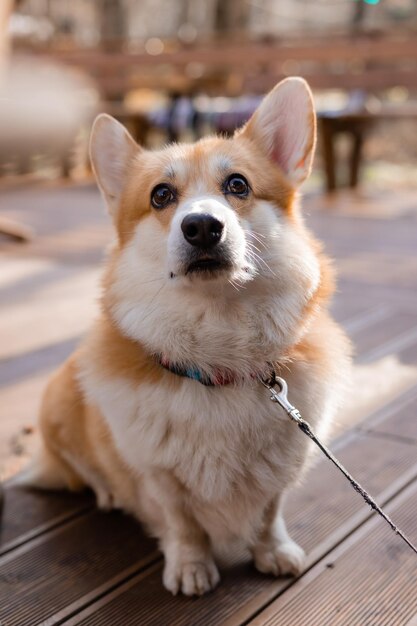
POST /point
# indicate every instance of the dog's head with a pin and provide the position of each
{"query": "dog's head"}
(210, 224)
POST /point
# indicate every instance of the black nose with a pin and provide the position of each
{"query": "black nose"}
(202, 230)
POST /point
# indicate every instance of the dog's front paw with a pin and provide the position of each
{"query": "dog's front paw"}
(193, 578)
(279, 558)
(104, 499)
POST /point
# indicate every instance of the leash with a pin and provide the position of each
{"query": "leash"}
(280, 397)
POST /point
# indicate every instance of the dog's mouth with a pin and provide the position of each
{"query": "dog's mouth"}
(207, 266)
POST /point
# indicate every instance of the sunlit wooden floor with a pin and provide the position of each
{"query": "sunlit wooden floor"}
(63, 562)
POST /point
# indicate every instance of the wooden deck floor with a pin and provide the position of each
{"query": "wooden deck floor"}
(63, 562)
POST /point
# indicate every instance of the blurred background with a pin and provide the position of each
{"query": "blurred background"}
(179, 69)
(176, 70)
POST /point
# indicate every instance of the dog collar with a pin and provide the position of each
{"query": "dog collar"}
(220, 378)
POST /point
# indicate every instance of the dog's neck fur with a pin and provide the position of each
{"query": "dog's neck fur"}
(241, 335)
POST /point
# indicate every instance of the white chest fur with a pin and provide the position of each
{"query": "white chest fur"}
(211, 438)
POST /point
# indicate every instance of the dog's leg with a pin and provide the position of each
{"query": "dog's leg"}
(189, 564)
(48, 471)
(275, 552)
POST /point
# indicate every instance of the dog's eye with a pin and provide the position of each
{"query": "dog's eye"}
(237, 185)
(161, 196)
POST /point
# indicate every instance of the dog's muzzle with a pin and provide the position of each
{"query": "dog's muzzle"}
(208, 254)
(202, 230)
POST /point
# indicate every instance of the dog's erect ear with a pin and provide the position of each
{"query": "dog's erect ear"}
(111, 150)
(284, 126)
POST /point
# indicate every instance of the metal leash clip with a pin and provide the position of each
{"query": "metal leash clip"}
(281, 396)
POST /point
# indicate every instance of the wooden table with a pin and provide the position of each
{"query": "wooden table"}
(64, 562)
(357, 124)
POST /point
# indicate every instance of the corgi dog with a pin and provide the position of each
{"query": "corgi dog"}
(213, 280)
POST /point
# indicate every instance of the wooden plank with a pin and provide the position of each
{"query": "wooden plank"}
(393, 465)
(385, 336)
(408, 353)
(264, 64)
(54, 572)
(168, 78)
(380, 294)
(379, 380)
(27, 514)
(370, 580)
(402, 425)
(370, 79)
(217, 82)
(356, 234)
(223, 54)
(30, 363)
(376, 330)
(319, 520)
(403, 343)
(352, 312)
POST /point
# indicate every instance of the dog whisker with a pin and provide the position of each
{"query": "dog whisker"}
(255, 232)
(256, 257)
(256, 237)
(233, 284)
(152, 280)
(253, 247)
